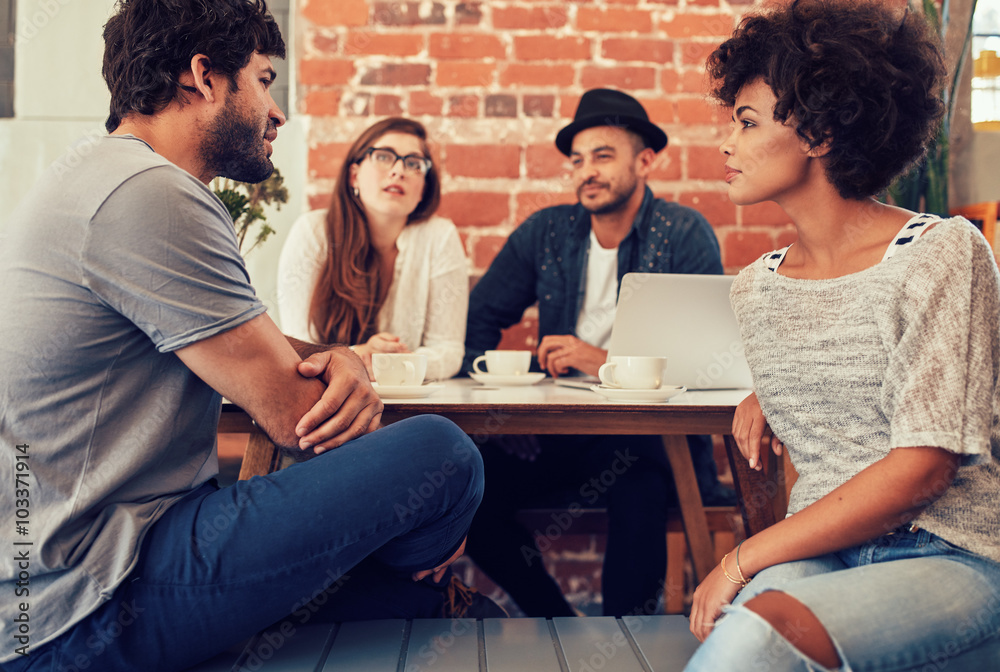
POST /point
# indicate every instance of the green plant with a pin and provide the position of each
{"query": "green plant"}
(927, 182)
(246, 202)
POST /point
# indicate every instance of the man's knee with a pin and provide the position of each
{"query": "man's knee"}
(443, 443)
(443, 469)
(797, 625)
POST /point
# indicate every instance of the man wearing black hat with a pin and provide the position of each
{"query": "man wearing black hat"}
(570, 259)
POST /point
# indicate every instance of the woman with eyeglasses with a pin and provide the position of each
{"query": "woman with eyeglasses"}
(377, 270)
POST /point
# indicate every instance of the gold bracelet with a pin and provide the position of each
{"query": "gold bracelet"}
(725, 571)
(739, 569)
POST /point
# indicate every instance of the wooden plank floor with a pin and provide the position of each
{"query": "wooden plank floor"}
(630, 644)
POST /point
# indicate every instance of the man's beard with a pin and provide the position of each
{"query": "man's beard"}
(619, 197)
(234, 146)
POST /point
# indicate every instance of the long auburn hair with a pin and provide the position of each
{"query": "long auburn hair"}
(350, 289)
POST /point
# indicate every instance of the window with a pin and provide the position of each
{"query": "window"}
(279, 90)
(986, 66)
(7, 57)
(279, 9)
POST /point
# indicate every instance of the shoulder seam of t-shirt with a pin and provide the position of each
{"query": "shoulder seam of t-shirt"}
(132, 176)
(83, 279)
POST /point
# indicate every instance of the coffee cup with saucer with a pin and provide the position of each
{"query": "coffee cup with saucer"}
(632, 373)
(400, 375)
(505, 367)
(628, 379)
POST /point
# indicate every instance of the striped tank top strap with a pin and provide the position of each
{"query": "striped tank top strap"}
(773, 259)
(912, 230)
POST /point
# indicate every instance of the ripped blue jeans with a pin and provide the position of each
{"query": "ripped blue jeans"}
(903, 601)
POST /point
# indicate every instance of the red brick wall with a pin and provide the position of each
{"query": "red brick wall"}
(494, 81)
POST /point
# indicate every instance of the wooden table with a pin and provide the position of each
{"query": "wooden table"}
(546, 408)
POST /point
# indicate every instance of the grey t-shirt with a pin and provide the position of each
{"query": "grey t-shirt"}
(113, 261)
(904, 353)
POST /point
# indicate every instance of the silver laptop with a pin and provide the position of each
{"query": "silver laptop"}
(688, 320)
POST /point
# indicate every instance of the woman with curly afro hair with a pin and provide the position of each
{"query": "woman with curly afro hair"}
(874, 343)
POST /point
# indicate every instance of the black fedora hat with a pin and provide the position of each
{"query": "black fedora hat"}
(607, 107)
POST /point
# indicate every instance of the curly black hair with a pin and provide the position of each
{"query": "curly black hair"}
(148, 43)
(854, 75)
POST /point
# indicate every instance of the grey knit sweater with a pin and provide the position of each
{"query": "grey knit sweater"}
(904, 353)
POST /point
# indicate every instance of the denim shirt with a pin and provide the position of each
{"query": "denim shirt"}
(545, 260)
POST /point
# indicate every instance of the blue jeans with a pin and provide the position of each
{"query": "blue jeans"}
(222, 564)
(904, 601)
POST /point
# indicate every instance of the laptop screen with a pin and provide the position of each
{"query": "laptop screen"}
(688, 320)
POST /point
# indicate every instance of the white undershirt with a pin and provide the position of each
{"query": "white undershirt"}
(593, 326)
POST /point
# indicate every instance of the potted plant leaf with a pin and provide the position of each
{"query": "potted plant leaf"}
(246, 203)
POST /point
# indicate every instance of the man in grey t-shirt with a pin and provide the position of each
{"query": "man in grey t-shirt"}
(128, 313)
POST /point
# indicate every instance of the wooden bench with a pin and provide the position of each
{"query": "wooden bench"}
(629, 644)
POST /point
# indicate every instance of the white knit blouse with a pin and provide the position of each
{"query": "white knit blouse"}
(904, 353)
(428, 300)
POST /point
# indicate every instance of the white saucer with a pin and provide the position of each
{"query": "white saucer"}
(497, 379)
(406, 391)
(658, 395)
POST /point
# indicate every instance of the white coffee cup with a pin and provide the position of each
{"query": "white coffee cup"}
(633, 373)
(504, 362)
(399, 368)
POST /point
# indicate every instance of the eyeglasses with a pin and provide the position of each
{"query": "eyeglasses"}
(386, 158)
